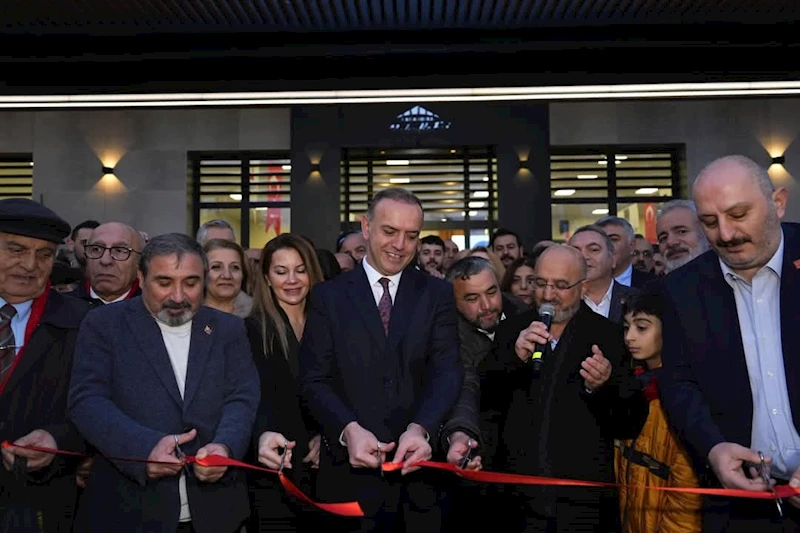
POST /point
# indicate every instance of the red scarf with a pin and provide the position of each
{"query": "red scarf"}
(134, 288)
(37, 310)
(650, 390)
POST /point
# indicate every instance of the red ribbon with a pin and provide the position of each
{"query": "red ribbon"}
(353, 509)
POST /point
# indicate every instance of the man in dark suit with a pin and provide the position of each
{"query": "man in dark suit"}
(38, 328)
(623, 236)
(604, 295)
(155, 377)
(562, 418)
(731, 380)
(380, 370)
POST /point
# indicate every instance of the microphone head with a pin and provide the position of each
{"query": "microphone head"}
(547, 309)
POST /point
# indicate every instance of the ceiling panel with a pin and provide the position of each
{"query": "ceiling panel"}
(114, 17)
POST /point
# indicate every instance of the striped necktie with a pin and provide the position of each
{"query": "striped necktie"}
(8, 343)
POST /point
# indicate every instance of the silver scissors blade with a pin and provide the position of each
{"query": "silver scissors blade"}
(181, 456)
(765, 476)
(467, 456)
(283, 457)
(380, 459)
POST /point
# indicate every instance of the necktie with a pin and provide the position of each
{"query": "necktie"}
(385, 305)
(7, 342)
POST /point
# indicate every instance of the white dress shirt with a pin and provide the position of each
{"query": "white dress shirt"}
(758, 305)
(373, 276)
(98, 297)
(604, 307)
(626, 277)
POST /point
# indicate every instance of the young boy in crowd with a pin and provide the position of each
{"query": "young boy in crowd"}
(655, 457)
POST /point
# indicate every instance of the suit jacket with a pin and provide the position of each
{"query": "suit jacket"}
(705, 386)
(35, 397)
(619, 294)
(124, 399)
(350, 370)
(640, 278)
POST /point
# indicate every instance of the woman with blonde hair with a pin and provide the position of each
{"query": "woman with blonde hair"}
(227, 275)
(289, 270)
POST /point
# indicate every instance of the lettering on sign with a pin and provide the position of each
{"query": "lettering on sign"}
(419, 119)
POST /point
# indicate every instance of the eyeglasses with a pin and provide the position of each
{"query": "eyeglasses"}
(118, 253)
(559, 285)
(646, 253)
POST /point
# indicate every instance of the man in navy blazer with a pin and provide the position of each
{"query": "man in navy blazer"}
(380, 370)
(156, 377)
(731, 376)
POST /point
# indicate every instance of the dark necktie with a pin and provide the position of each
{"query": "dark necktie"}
(8, 344)
(385, 305)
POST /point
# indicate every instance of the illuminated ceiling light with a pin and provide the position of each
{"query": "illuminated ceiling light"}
(620, 157)
(473, 213)
(444, 220)
(477, 205)
(587, 176)
(601, 211)
(286, 167)
(480, 194)
(397, 162)
(602, 162)
(237, 197)
(399, 180)
(564, 192)
(485, 178)
(417, 96)
(647, 190)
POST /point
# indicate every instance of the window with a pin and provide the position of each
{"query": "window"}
(16, 176)
(632, 182)
(250, 190)
(457, 187)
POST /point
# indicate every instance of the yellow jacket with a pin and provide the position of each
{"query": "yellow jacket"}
(668, 465)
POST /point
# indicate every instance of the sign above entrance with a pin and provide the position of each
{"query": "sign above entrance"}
(419, 119)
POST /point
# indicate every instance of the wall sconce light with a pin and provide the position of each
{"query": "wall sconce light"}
(107, 170)
(780, 160)
(523, 165)
(315, 167)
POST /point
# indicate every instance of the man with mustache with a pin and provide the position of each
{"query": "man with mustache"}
(155, 377)
(731, 375)
(505, 243)
(431, 255)
(680, 237)
(562, 418)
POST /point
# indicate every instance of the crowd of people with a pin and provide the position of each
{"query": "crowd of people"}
(605, 358)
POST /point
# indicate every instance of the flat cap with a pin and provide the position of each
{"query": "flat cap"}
(21, 216)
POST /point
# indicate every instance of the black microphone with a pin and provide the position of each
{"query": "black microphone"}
(546, 312)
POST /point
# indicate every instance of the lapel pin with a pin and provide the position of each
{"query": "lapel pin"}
(797, 264)
(207, 330)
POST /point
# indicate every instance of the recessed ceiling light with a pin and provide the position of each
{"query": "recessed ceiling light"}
(601, 211)
(398, 162)
(587, 176)
(286, 167)
(647, 190)
(237, 197)
(399, 180)
(564, 192)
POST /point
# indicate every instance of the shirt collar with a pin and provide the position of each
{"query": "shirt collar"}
(490, 334)
(775, 263)
(627, 275)
(606, 297)
(23, 309)
(97, 297)
(373, 276)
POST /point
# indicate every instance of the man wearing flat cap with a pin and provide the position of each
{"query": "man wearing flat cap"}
(38, 329)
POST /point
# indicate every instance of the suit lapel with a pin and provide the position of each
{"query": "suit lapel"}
(147, 333)
(723, 326)
(615, 309)
(790, 317)
(199, 349)
(40, 343)
(408, 294)
(364, 300)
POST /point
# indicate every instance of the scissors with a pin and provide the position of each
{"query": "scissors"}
(283, 456)
(380, 459)
(765, 476)
(467, 456)
(180, 455)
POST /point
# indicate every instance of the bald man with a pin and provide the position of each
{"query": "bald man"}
(562, 418)
(731, 381)
(112, 259)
